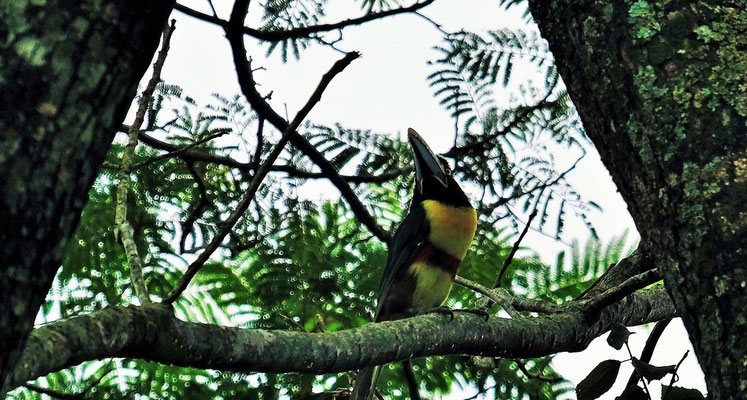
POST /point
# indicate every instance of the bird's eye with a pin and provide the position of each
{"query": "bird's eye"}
(445, 164)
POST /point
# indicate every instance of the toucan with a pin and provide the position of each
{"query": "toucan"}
(426, 250)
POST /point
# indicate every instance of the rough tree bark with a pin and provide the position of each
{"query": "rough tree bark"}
(662, 91)
(153, 333)
(68, 72)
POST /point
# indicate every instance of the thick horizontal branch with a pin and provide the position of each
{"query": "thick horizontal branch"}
(304, 31)
(153, 333)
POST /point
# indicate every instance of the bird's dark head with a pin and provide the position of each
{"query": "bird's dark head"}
(433, 180)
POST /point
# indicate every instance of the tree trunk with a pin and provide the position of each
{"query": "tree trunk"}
(662, 92)
(68, 73)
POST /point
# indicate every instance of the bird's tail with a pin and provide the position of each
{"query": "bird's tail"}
(365, 383)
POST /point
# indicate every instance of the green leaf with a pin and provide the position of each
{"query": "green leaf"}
(618, 336)
(680, 393)
(650, 372)
(599, 380)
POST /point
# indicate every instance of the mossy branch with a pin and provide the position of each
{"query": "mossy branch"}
(123, 228)
(153, 333)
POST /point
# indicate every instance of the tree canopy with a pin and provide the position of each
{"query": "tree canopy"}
(203, 265)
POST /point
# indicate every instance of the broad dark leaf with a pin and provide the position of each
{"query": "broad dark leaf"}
(650, 372)
(599, 380)
(618, 336)
(680, 393)
(632, 392)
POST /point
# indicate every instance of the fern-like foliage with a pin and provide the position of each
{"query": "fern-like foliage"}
(94, 271)
(282, 15)
(508, 150)
(295, 262)
(574, 270)
(379, 5)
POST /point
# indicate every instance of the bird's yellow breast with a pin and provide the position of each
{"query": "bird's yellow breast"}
(432, 286)
(451, 228)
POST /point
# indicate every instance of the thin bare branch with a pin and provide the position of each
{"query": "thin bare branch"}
(204, 202)
(305, 31)
(179, 151)
(264, 110)
(502, 298)
(191, 154)
(514, 249)
(385, 177)
(292, 171)
(123, 228)
(264, 169)
(674, 375)
(260, 144)
(510, 303)
(590, 305)
(458, 152)
(541, 187)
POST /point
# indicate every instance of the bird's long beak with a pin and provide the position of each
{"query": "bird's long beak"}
(426, 162)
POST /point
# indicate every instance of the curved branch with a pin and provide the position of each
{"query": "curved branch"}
(153, 333)
(304, 31)
(257, 179)
(265, 111)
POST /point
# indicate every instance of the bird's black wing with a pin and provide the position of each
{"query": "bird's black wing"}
(410, 234)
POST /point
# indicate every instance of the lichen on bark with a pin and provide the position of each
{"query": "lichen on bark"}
(68, 72)
(660, 87)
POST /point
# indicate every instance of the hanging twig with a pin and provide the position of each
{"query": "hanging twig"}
(412, 382)
(204, 202)
(260, 144)
(674, 375)
(123, 229)
(514, 249)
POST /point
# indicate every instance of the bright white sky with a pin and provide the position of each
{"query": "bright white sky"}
(386, 91)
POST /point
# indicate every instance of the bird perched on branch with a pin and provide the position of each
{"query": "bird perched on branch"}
(426, 250)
